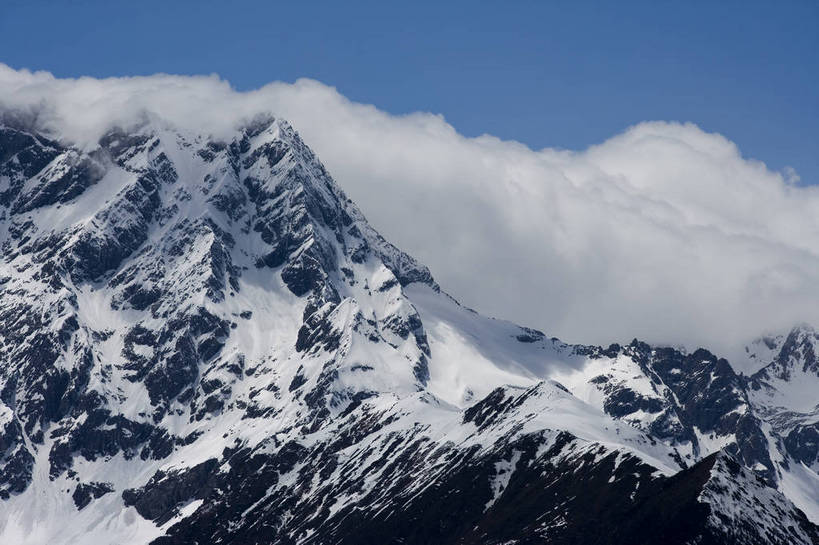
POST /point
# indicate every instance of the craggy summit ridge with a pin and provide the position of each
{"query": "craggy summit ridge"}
(203, 340)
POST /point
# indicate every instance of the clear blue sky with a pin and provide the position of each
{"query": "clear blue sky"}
(564, 74)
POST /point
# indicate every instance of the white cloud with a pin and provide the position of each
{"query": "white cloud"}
(663, 232)
(791, 176)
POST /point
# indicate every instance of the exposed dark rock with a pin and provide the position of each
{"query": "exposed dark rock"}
(159, 499)
(85, 492)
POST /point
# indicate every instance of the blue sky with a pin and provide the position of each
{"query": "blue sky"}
(559, 74)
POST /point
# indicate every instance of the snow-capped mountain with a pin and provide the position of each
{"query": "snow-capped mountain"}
(204, 341)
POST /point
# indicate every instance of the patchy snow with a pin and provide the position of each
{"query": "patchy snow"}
(503, 472)
(733, 492)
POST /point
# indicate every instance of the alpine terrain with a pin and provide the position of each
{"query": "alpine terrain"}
(203, 341)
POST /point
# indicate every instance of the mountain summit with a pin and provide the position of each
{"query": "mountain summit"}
(204, 341)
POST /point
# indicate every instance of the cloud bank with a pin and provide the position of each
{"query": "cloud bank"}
(663, 232)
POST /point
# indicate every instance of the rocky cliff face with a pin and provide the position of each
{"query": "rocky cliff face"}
(204, 341)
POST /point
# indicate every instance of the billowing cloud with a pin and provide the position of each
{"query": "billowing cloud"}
(664, 232)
